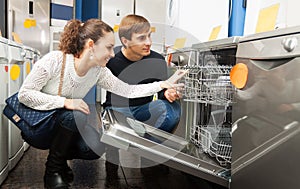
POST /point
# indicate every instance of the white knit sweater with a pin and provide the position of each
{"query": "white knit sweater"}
(40, 88)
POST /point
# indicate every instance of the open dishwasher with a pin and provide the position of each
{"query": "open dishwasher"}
(209, 95)
(205, 151)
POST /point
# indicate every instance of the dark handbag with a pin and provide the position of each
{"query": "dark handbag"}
(37, 127)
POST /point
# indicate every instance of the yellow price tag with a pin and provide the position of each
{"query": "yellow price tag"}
(153, 29)
(33, 23)
(28, 67)
(29, 23)
(214, 33)
(179, 43)
(16, 37)
(155, 97)
(15, 72)
(267, 18)
(116, 28)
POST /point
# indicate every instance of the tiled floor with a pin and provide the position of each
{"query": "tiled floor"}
(28, 174)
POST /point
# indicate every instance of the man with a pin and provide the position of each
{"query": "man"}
(137, 63)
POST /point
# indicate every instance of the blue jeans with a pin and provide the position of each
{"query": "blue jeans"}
(87, 144)
(159, 113)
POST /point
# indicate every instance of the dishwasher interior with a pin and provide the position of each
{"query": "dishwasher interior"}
(209, 93)
(206, 149)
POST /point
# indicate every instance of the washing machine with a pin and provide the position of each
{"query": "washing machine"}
(15, 79)
(3, 120)
(29, 54)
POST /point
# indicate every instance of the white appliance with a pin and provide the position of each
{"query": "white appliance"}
(28, 63)
(156, 13)
(3, 119)
(15, 79)
(28, 60)
(112, 11)
(36, 56)
(29, 19)
(202, 18)
(55, 32)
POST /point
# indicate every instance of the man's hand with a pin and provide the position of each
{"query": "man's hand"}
(172, 95)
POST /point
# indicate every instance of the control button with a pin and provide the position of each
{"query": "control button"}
(289, 44)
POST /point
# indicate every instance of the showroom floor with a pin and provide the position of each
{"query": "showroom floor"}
(28, 174)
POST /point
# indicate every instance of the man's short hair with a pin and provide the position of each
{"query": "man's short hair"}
(133, 24)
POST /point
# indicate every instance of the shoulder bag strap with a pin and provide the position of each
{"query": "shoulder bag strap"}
(62, 73)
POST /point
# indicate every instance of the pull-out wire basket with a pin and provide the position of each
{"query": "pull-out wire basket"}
(214, 139)
(208, 84)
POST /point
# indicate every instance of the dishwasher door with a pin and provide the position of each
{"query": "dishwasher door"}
(207, 95)
(162, 147)
(266, 131)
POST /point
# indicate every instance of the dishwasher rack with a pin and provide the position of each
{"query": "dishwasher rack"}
(214, 138)
(214, 141)
(208, 84)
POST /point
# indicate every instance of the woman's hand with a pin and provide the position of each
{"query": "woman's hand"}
(77, 104)
(172, 81)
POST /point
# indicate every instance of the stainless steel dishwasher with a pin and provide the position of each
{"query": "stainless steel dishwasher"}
(205, 151)
(266, 129)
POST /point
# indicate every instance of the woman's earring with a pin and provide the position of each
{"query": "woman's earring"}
(91, 56)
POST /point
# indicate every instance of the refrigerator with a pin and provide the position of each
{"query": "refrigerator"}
(30, 20)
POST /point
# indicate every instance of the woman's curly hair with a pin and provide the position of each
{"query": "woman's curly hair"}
(76, 33)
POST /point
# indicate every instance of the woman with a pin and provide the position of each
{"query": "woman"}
(88, 47)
